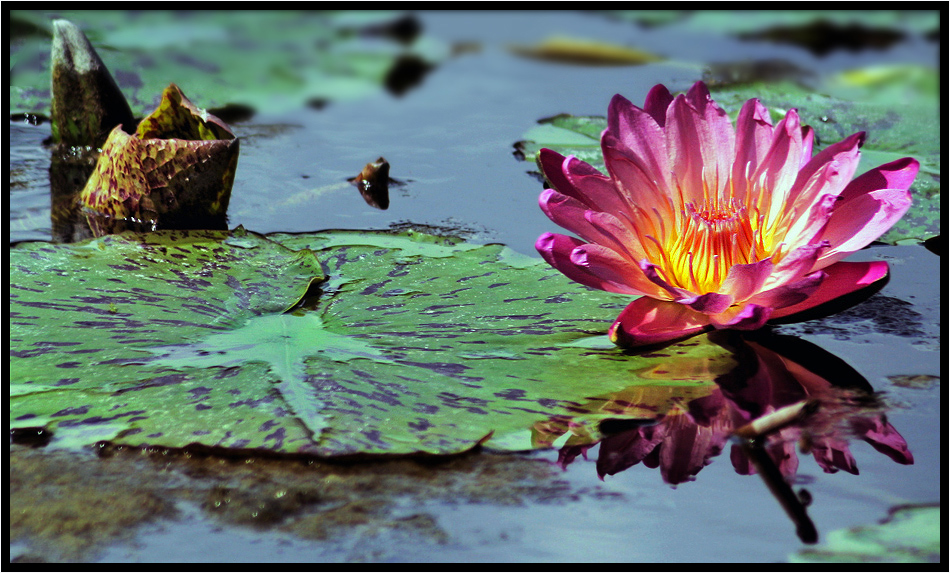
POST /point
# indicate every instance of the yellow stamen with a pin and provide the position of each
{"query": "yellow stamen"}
(708, 240)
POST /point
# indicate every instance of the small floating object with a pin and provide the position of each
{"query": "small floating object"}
(777, 420)
(373, 183)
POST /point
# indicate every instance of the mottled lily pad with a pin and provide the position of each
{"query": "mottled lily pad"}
(415, 344)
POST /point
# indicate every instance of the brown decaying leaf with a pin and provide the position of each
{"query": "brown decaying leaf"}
(373, 183)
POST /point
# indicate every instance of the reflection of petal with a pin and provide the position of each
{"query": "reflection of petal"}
(883, 437)
(833, 454)
(689, 447)
(679, 444)
(626, 449)
(817, 399)
(782, 453)
(568, 454)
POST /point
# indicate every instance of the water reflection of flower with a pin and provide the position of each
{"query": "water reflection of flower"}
(716, 226)
(686, 438)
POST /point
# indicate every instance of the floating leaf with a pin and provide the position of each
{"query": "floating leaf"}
(910, 534)
(896, 126)
(416, 344)
(567, 134)
(755, 21)
(271, 61)
(586, 52)
(85, 316)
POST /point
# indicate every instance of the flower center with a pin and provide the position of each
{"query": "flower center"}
(711, 239)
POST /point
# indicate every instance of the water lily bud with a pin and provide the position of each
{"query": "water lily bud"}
(175, 171)
(87, 103)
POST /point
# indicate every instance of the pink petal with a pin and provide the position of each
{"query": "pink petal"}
(884, 438)
(753, 138)
(834, 454)
(808, 141)
(743, 281)
(594, 189)
(634, 133)
(643, 186)
(775, 175)
(708, 303)
(828, 172)
(619, 273)
(897, 174)
(701, 142)
(748, 317)
(841, 279)
(615, 232)
(551, 162)
(572, 215)
(652, 272)
(658, 100)
(795, 265)
(806, 228)
(556, 250)
(619, 452)
(855, 223)
(718, 137)
(790, 294)
(647, 321)
(847, 147)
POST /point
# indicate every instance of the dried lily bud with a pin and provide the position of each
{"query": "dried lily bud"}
(175, 171)
(87, 103)
(373, 183)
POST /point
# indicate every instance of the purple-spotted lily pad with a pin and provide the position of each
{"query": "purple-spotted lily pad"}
(414, 344)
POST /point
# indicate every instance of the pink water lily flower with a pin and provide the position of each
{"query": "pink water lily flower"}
(716, 226)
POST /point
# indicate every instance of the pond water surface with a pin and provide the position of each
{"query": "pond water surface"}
(450, 142)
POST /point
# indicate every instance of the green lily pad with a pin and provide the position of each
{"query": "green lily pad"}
(910, 534)
(755, 21)
(899, 124)
(270, 60)
(415, 344)
(563, 49)
(575, 135)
